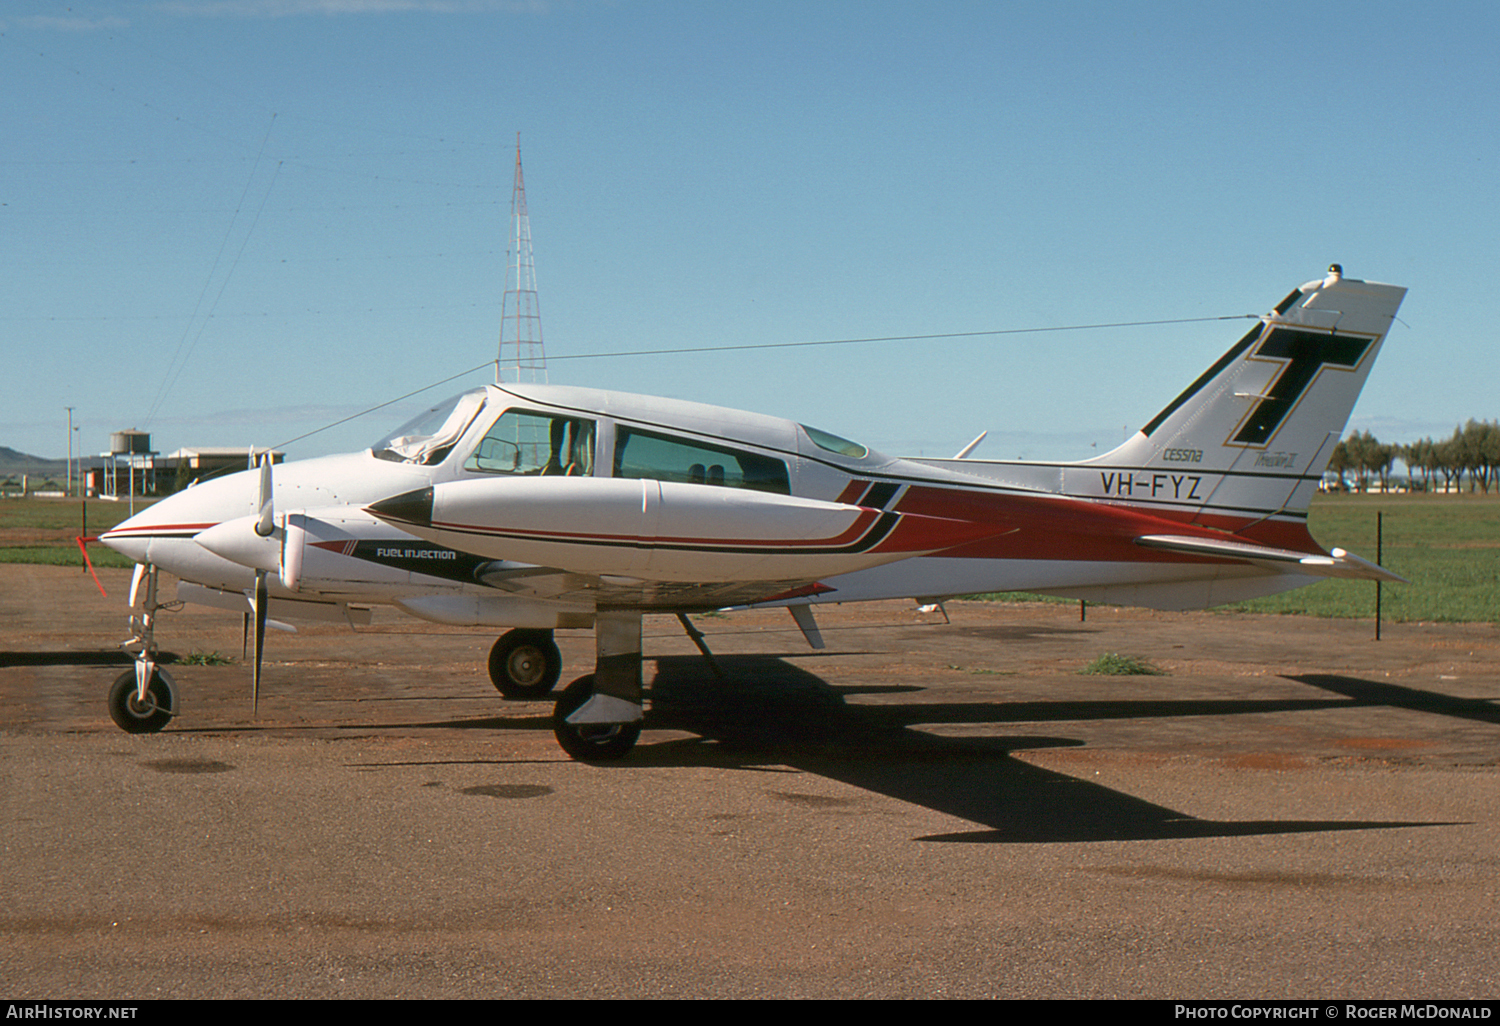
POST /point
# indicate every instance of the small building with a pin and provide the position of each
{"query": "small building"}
(203, 462)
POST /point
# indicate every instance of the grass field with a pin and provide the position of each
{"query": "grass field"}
(1448, 546)
(42, 530)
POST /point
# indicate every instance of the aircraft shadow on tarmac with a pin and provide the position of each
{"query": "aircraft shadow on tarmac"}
(767, 712)
(1397, 696)
(103, 657)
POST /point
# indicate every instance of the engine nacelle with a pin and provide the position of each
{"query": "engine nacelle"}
(345, 550)
(665, 530)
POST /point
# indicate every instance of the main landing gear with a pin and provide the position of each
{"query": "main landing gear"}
(590, 742)
(143, 700)
(598, 718)
(525, 664)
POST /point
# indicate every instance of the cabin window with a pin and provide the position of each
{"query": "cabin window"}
(643, 454)
(833, 443)
(538, 444)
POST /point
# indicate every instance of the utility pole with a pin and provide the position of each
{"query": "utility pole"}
(521, 352)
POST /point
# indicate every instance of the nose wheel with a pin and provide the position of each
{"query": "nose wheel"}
(144, 699)
(136, 715)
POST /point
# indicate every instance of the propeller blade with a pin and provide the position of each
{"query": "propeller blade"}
(266, 505)
(262, 600)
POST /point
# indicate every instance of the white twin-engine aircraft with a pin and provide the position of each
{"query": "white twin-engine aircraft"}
(537, 507)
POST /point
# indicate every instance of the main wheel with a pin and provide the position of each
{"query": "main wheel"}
(590, 742)
(135, 717)
(525, 664)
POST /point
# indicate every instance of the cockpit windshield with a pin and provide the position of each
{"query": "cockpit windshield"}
(428, 437)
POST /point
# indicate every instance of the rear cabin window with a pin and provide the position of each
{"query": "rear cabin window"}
(643, 454)
(833, 443)
(522, 442)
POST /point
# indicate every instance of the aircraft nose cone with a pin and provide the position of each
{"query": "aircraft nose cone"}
(130, 545)
(132, 538)
(407, 508)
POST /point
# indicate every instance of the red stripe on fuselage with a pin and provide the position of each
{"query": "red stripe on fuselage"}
(853, 492)
(154, 529)
(1058, 527)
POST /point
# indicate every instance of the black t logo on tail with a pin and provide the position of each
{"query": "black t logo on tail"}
(1307, 352)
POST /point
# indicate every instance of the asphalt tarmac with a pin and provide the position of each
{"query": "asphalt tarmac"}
(922, 809)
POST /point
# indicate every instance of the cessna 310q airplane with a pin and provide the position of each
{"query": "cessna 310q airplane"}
(537, 507)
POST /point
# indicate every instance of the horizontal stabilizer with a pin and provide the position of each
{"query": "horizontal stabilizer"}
(1337, 563)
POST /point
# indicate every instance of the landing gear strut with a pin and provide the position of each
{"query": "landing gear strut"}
(525, 663)
(144, 699)
(598, 718)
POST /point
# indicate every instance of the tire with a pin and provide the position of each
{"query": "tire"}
(133, 718)
(607, 742)
(525, 664)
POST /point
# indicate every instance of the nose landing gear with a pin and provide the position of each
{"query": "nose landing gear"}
(136, 715)
(143, 700)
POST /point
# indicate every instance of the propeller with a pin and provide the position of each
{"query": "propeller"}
(265, 506)
(264, 526)
(261, 601)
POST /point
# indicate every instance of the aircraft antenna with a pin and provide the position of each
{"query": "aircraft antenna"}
(522, 358)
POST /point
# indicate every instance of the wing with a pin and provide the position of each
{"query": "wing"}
(549, 584)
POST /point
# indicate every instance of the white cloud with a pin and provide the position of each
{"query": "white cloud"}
(71, 23)
(294, 8)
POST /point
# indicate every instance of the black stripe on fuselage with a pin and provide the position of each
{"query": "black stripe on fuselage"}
(878, 531)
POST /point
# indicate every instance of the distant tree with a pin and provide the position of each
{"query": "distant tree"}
(1482, 449)
(1421, 458)
(1369, 457)
(184, 475)
(1450, 462)
(1340, 462)
(1383, 458)
(1473, 449)
(1465, 450)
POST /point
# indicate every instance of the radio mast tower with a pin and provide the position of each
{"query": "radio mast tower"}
(522, 358)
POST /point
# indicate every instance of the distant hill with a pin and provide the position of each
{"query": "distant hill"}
(13, 462)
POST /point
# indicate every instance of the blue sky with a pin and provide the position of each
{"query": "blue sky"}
(230, 223)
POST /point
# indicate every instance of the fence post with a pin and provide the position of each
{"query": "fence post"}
(1379, 559)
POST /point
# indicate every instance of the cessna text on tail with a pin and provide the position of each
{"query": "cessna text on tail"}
(538, 507)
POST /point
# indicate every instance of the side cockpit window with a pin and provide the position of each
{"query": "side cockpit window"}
(538, 444)
(644, 454)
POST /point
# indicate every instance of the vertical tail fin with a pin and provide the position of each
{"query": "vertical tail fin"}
(1253, 435)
